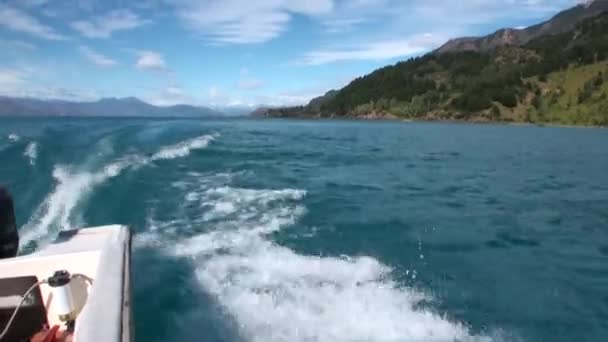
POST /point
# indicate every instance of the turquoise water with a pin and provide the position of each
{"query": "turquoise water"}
(332, 231)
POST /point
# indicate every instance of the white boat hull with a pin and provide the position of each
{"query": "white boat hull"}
(102, 254)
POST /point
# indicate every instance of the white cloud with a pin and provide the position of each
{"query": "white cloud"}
(349, 15)
(97, 58)
(150, 60)
(341, 25)
(245, 21)
(54, 92)
(16, 44)
(17, 20)
(214, 93)
(236, 102)
(309, 7)
(304, 93)
(174, 90)
(475, 12)
(104, 26)
(216, 97)
(22, 82)
(34, 3)
(27, 3)
(395, 18)
(250, 84)
(170, 95)
(12, 79)
(287, 98)
(373, 51)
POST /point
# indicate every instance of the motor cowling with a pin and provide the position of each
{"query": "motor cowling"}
(9, 238)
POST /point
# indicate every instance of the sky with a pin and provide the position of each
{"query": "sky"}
(226, 53)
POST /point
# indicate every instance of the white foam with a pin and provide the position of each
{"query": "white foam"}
(13, 137)
(278, 295)
(184, 148)
(31, 152)
(57, 212)
(275, 294)
(224, 201)
(152, 237)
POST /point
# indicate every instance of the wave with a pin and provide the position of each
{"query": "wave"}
(57, 211)
(274, 293)
(184, 148)
(31, 152)
(13, 137)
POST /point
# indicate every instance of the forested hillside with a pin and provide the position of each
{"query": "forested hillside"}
(559, 78)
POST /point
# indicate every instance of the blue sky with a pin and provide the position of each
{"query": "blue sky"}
(228, 52)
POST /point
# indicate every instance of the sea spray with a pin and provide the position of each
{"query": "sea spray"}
(31, 152)
(13, 137)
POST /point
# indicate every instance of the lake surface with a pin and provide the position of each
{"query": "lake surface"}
(250, 230)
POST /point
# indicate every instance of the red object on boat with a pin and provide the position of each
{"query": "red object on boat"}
(51, 336)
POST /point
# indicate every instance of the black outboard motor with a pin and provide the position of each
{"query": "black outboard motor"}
(9, 238)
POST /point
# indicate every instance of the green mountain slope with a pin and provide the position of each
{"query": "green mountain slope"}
(554, 79)
(560, 23)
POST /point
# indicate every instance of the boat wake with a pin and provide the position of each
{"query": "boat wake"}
(183, 149)
(31, 152)
(13, 137)
(73, 185)
(274, 293)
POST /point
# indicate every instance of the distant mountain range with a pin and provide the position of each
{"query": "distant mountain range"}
(553, 72)
(108, 107)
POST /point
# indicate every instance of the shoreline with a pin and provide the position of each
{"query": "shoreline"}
(505, 123)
